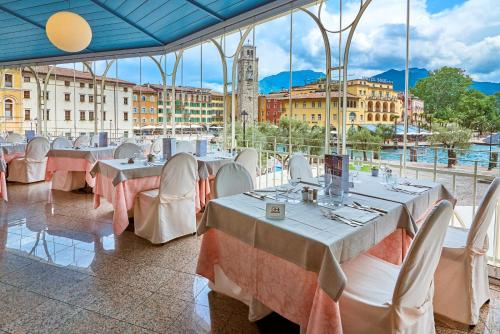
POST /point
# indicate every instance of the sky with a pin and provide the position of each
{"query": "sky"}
(459, 33)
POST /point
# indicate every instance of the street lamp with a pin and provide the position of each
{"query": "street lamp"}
(244, 116)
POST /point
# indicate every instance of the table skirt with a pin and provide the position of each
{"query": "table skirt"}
(122, 196)
(3, 187)
(282, 286)
(69, 165)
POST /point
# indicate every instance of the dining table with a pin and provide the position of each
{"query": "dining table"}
(80, 159)
(292, 266)
(8, 152)
(119, 182)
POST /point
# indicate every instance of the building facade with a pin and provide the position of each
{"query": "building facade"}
(70, 103)
(11, 101)
(248, 83)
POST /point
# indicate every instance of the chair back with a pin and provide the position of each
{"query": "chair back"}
(231, 179)
(185, 146)
(299, 167)
(37, 149)
(61, 142)
(14, 138)
(477, 240)
(414, 283)
(126, 151)
(249, 158)
(83, 140)
(179, 176)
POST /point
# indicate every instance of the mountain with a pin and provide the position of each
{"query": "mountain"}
(398, 78)
(277, 82)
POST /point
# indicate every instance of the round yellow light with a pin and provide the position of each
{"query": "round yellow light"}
(68, 31)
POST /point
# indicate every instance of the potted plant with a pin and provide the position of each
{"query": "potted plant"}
(374, 171)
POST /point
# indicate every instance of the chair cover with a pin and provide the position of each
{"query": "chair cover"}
(158, 145)
(231, 179)
(14, 138)
(381, 297)
(31, 168)
(249, 158)
(126, 151)
(129, 140)
(2, 140)
(94, 140)
(167, 213)
(461, 278)
(61, 142)
(299, 167)
(83, 140)
(185, 146)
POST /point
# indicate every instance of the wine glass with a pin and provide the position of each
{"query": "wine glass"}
(357, 168)
(293, 182)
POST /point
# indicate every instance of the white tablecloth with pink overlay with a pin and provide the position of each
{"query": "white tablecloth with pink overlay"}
(119, 183)
(76, 160)
(8, 152)
(292, 266)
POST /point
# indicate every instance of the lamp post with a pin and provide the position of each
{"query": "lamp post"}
(244, 116)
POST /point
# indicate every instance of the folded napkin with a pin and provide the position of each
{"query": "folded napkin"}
(412, 189)
(356, 215)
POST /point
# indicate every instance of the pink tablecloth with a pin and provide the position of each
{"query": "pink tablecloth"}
(3, 187)
(122, 196)
(69, 165)
(3, 183)
(282, 286)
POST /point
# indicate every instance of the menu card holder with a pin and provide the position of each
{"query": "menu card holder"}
(30, 134)
(169, 148)
(201, 147)
(338, 167)
(103, 139)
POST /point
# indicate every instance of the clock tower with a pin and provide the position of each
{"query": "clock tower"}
(248, 83)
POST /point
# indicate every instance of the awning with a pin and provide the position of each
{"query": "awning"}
(126, 28)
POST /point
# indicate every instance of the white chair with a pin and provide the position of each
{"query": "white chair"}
(129, 140)
(14, 138)
(31, 168)
(299, 167)
(249, 158)
(461, 278)
(231, 179)
(381, 297)
(163, 214)
(185, 146)
(94, 140)
(2, 140)
(83, 140)
(61, 142)
(126, 151)
(157, 145)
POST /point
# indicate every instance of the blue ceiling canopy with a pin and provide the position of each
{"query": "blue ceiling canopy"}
(125, 28)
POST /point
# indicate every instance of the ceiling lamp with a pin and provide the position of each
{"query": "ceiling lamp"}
(68, 31)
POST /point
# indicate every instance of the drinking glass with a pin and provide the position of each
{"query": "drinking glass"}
(357, 169)
(294, 182)
(336, 197)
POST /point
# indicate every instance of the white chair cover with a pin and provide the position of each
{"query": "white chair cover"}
(2, 140)
(61, 142)
(14, 138)
(231, 179)
(158, 145)
(381, 297)
(83, 140)
(299, 167)
(461, 278)
(167, 213)
(94, 140)
(126, 151)
(249, 158)
(31, 168)
(185, 146)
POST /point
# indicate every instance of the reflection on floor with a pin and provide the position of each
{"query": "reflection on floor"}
(63, 271)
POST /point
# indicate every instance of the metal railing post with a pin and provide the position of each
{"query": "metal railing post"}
(474, 188)
(435, 165)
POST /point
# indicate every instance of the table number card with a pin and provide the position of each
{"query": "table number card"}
(103, 139)
(169, 148)
(275, 210)
(338, 167)
(201, 147)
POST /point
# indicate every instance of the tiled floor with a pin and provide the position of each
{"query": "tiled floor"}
(63, 271)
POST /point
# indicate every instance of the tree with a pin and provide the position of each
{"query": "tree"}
(441, 91)
(364, 140)
(452, 138)
(385, 131)
(477, 111)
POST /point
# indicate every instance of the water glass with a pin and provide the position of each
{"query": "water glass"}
(336, 197)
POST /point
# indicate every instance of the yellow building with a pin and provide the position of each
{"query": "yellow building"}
(11, 101)
(379, 101)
